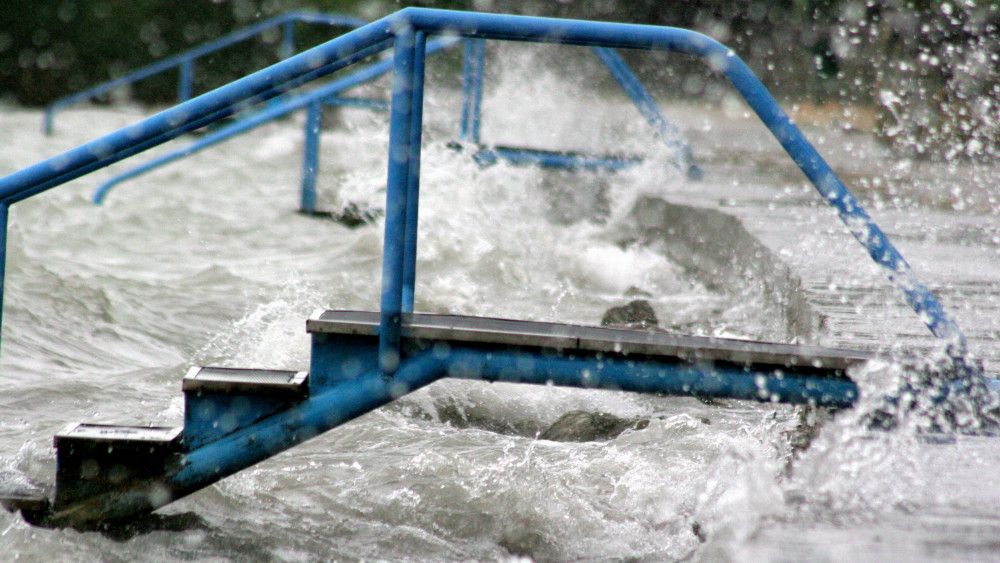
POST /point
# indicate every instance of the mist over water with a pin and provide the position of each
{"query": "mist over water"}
(205, 262)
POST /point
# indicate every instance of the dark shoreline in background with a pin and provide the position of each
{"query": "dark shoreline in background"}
(930, 67)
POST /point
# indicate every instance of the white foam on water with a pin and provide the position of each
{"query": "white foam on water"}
(205, 261)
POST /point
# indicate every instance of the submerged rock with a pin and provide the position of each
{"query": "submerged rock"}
(636, 314)
(19, 492)
(809, 421)
(634, 291)
(351, 215)
(583, 426)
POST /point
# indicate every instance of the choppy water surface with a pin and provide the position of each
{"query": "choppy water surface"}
(206, 262)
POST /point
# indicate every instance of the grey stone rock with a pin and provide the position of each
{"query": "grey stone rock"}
(583, 426)
(637, 314)
(351, 215)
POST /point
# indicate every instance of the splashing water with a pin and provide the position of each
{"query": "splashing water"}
(207, 263)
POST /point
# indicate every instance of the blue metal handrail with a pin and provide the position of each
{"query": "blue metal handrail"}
(326, 95)
(472, 93)
(403, 182)
(185, 60)
(338, 392)
(469, 127)
(406, 31)
(651, 111)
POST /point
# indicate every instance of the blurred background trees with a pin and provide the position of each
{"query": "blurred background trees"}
(51, 48)
(931, 67)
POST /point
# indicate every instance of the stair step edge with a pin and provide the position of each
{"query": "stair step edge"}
(242, 381)
(152, 437)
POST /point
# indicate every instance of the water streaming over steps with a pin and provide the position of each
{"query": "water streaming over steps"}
(205, 262)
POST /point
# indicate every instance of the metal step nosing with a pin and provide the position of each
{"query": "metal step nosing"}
(118, 435)
(245, 381)
(455, 328)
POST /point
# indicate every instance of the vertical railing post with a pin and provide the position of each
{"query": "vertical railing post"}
(184, 87)
(472, 89)
(310, 157)
(4, 214)
(287, 40)
(49, 117)
(400, 161)
(413, 185)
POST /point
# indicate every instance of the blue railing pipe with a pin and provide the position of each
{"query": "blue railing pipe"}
(402, 157)
(4, 219)
(310, 167)
(725, 61)
(850, 211)
(472, 89)
(310, 156)
(185, 60)
(328, 94)
(471, 117)
(220, 103)
(651, 111)
(101, 155)
(288, 39)
(218, 136)
(413, 185)
(551, 159)
(185, 86)
(647, 376)
(337, 52)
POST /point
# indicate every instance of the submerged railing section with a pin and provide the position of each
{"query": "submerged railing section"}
(472, 88)
(185, 62)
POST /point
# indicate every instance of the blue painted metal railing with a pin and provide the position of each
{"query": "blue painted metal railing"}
(651, 111)
(398, 263)
(185, 61)
(469, 128)
(406, 31)
(472, 88)
(313, 102)
(337, 394)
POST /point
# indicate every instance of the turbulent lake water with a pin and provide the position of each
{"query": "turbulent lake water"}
(206, 262)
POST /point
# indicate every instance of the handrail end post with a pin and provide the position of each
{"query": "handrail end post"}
(397, 189)
(185, 82)
(47, 121)
(310, 157)
(4, 216)
(100, 193)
